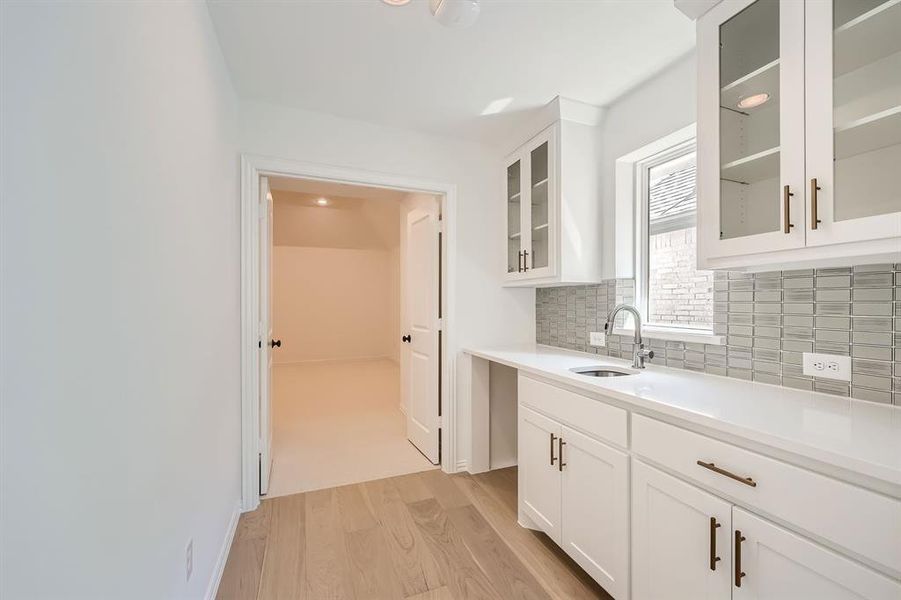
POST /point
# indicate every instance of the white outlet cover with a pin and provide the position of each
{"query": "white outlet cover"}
(597, 338)
(827, 366)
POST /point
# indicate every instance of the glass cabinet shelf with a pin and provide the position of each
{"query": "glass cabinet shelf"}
(750, 169)
(861, 39)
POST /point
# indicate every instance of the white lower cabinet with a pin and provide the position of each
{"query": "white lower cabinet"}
(678, 533)
(539, 475)
(675, 542)
(585, 488)
(772, 563)
(575, 489)
(596, 509)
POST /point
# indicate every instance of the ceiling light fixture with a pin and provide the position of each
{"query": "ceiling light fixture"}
(396, 2)
(455, 13)
(322, 202)
(753, 101)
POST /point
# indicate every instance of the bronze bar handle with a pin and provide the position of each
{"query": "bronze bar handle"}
(739, 538)
(712, 467)
(560, 463)
(786, 209)
(814, 188)
(525, 262)
(519, 264)
(553, 458)
(713, 557)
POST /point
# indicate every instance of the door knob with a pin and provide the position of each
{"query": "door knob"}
(406, 339)
(275, 343)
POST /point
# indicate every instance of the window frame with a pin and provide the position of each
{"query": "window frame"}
(632, 195)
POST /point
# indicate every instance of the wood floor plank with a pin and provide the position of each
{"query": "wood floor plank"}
(444, 490)
(327, 573)
(555, 571)
(241, 577)
(464, 577)
(412, 487)
(394, 538)
(502, 566)
(371, 571)
(412, 562)
(354, 510)
(442, 593)
(283, 563)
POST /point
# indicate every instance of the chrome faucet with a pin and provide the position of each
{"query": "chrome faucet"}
(640, 353)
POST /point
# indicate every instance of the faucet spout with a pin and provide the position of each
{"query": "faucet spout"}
(640, 353)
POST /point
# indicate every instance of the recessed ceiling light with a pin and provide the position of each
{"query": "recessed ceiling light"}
(753, 101)
(455, 13)
(396, 2)
(322, 202)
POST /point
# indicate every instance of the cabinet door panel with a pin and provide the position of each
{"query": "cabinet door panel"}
(539, 218)
(780, 565)
(672, 541)
(514, 195)
(751, 127)
(853, 83)
(539, 475)
(596, 510)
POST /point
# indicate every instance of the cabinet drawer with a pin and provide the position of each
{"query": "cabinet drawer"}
(863, 522)
(594, 417)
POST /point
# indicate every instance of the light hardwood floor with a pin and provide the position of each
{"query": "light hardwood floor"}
(424, 536)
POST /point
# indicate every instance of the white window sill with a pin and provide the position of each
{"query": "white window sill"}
(673, 334)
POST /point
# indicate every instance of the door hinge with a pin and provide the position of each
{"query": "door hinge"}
(440, 421)
(440, 323)
(260, 344)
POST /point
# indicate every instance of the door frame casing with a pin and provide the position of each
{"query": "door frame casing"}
(252, 168)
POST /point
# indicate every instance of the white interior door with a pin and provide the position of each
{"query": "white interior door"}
(265, 333)
(422, 337)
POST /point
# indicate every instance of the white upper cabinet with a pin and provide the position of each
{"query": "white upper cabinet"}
(553, 201)
(799, 125)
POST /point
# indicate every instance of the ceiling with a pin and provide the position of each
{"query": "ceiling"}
(355, 218)
(397, 66)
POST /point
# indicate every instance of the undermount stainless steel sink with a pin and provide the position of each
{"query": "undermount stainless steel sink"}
(600, 372)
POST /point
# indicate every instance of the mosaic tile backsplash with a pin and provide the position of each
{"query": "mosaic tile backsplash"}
(769, 320)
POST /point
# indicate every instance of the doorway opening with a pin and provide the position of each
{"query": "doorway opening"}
(347, 285)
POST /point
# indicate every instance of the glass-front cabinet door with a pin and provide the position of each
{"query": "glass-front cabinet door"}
(853, 106)
(755, 158)
(540, 189)
(514, 216)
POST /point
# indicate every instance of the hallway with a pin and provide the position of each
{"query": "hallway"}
(336, 423)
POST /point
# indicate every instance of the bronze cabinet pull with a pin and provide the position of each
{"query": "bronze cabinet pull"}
(786, 209)
(814, 188)
(712, 467)
(520, 261)
(553, 458)
(560, 463)
(713, 557)
(525, 262)
(739, 538)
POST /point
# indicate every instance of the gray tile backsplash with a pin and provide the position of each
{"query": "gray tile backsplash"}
(768, 320)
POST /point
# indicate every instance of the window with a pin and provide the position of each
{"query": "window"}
(658, 182)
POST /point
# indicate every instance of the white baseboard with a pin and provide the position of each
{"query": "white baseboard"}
(462, 465)
(216, 577)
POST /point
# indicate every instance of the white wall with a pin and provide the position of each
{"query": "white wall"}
(120, 300)
(661, 105)
(332, 303)
(486, 312)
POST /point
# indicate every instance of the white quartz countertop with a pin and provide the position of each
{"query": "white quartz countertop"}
(858, 436)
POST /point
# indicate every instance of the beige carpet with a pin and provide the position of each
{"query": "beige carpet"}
(338, 423)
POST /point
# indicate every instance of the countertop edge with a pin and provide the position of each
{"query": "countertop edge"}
(851, 465)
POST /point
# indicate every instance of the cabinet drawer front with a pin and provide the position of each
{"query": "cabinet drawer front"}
(594, 417)
(863, 522)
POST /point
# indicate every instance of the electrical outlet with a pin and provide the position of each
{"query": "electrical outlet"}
(597, 338)
(827, 366)
(189, 559)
